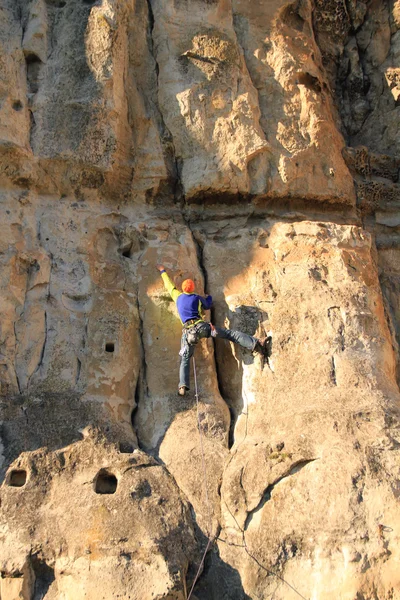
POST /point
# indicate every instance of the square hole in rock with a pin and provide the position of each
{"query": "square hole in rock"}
(106, 483)
(17, 478)
(110, 347)
(17, 105)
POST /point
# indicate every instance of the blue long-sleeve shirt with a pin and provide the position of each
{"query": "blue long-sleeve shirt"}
(189, 305)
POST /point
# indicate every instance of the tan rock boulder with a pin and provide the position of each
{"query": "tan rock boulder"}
(96, 524)
(207, 99)
(284, 62)
(310, 434)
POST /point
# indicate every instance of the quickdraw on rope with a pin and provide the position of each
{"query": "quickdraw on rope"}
(203, 462)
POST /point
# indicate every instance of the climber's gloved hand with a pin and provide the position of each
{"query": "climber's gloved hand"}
(160, 268)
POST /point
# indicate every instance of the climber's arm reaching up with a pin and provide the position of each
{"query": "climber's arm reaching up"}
(168, 284)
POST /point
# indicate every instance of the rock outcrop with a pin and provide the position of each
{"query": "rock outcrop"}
(251, 146)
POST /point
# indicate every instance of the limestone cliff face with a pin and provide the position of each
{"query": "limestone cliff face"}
(253, 146)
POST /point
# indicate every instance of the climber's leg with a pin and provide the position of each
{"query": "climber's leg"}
(201, 330)
(186, 354)
(237, 337)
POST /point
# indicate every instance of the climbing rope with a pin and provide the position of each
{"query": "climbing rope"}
(204, 467)
(203, 460)
(211, 539)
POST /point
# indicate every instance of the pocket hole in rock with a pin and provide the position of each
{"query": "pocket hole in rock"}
(127, 253)
(33, 65)
(17, 478)
(126, 448)
(110, 347)
(106, 483)
(17, 105)
(309, 81)
(143, 490)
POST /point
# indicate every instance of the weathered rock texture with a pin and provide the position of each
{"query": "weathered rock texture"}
(253, 146)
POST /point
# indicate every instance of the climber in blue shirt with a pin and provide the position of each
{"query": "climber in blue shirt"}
(191, 309)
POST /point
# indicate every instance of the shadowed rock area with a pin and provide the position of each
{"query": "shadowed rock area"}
(253, 147)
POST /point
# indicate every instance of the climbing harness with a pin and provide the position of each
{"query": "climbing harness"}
(204, 467)
(191, 334)
(191, 322)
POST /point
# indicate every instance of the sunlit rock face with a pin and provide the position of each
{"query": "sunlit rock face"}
(251, 146)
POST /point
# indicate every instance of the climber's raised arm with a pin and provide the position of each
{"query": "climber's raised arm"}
(168, 284)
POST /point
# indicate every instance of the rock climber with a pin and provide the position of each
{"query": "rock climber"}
(191, 309)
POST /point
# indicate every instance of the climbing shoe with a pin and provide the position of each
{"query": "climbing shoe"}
(268, 346)
(182, 390)
(264, 346)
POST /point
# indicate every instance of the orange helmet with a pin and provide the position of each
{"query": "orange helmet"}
(188, 286)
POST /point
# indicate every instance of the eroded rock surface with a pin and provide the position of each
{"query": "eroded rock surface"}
(123, 521)
(332, 371)
(251, 146)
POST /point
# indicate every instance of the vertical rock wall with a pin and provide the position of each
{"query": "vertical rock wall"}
(251, 146)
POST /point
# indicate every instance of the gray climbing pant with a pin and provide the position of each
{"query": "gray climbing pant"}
(191, 336)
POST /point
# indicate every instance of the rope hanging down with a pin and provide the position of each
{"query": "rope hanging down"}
(211, 539)
(203, 462)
